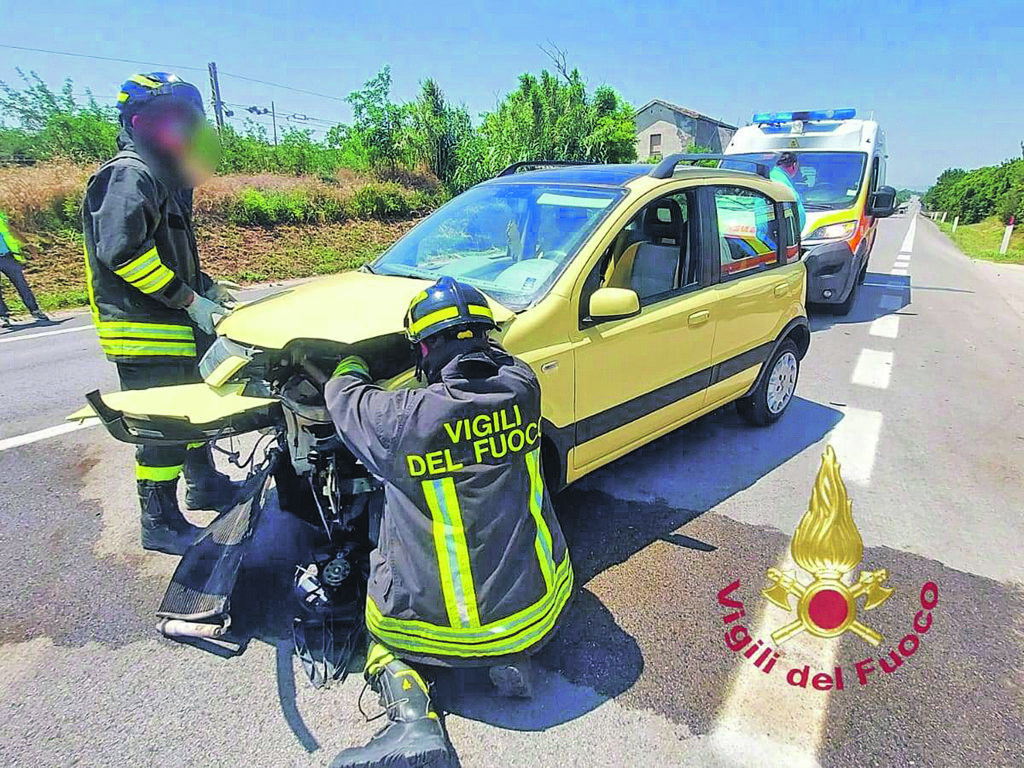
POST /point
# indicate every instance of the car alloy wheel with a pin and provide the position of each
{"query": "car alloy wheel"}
(782, 382)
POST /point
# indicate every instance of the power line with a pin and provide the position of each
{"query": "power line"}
(285, 87)
(171, 66)
(101, 58)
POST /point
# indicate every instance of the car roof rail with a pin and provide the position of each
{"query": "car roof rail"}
(667, 167)
(516, 167)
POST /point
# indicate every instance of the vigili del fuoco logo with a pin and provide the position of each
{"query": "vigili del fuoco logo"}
(828, 547)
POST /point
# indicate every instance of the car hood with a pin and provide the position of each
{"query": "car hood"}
(345, 308)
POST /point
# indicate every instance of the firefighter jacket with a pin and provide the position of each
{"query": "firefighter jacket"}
(471, 563)
(141, 259)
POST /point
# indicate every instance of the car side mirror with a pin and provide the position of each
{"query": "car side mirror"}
(614, 303)
(883, 202)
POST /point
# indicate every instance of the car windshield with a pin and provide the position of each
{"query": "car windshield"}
(823, 179)
(511, 240)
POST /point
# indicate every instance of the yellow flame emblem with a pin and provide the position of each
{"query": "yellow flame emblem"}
(827, 545)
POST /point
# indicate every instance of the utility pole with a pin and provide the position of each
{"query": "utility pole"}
(218, 111)
(273, 115)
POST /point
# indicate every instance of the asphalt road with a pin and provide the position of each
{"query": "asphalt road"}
(921, 391)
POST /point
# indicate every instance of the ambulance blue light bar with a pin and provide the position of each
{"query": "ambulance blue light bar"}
(812, 114)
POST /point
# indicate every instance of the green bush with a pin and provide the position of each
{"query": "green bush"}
(269, 208)
(378, 201)
(1009, 205)
(322, 205)
(51, 124)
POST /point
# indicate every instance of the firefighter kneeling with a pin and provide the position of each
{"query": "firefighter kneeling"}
(471, 568)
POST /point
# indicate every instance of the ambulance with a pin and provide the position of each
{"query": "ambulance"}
(840, 179)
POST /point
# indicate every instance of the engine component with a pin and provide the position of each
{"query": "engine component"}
(309, 591)
(336, 571)
(327, 648)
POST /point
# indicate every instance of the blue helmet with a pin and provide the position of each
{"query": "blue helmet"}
(445, 305)
(140, 90)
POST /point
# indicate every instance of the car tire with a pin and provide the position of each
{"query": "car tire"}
(843, 308)
(772, 396)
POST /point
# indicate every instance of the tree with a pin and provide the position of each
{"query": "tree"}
(380, 122)
(551, 118)
(55, 124)
(437, 130)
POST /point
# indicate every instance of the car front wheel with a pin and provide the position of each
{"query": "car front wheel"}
(774, 393)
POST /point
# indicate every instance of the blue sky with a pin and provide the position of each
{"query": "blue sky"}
(942, 78)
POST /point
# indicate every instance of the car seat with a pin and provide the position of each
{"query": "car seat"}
(650, 267)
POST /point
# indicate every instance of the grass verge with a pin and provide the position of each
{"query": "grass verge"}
(251, 228)
(243, 254)
(982, 240)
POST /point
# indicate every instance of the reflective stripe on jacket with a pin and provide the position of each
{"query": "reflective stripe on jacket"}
(141, 260)
(471, 562)
(10, 241)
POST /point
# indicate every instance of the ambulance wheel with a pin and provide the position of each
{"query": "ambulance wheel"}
(772, 396)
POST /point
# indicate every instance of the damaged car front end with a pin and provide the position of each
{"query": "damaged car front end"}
(297, 463)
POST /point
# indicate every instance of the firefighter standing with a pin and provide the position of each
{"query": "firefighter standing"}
(153, 307)
(471, 567)
(11, 259)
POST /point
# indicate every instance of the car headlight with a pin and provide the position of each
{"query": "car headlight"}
(223, 360)
(839, 231)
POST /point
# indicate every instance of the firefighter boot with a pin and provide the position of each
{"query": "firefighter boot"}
(205, 487)
(413, 737)
(164, 528)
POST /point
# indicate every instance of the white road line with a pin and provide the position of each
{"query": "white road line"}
(902, 260)
(40, 335)
(764, 721)
(44, 434)
(886, 326)
(898, 271)
(873, 369)
(908, 241)
(890, 300)
(855, 440)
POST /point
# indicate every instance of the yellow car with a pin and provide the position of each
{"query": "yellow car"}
(643, 296)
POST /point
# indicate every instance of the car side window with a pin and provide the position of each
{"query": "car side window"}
(874, 174)
(790, 217)
(656, 254)
(748, 231)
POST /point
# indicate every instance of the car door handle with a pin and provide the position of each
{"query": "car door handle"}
(782, 289)
(699, 318)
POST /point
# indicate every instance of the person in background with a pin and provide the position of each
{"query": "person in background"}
(155, 310)
(786, 169)
(12, 243)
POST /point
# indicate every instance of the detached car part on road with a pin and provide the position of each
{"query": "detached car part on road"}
(642, 297)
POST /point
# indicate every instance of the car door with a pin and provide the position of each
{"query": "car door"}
(758, 279)
(641, 375)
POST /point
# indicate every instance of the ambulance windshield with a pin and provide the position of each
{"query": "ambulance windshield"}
(822, 179)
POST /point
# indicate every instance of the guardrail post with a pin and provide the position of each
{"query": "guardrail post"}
(943, 217)
(956, 221)
(1006, 237)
